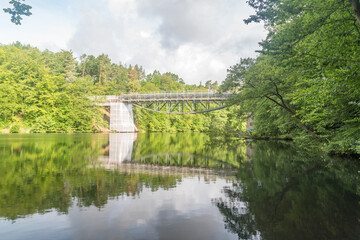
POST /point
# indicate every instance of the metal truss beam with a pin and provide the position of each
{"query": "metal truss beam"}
(181, 107)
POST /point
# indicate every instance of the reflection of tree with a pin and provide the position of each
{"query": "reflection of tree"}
(237, 218)
(282, 194)
(195, 149)
(96, 186)
(40, 175)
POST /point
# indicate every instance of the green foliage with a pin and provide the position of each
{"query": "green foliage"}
(42, 94)
(219, 122)
(15, 128)
(18, 10)
(305, 83)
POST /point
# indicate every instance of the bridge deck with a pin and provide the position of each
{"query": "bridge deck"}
(168, 97)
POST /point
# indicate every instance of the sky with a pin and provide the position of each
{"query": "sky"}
(197, 40)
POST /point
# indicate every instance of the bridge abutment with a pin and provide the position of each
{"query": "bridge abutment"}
(121, 117)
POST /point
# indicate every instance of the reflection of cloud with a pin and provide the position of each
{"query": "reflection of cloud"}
(51, 225)
(183, 212)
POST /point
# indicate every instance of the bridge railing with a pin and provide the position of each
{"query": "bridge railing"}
(169, 96)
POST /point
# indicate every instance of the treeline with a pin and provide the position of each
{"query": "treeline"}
(44, 91)
(305, 83)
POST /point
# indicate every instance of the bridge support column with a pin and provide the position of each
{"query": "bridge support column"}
(121, 117)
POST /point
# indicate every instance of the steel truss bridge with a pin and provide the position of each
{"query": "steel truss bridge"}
(173, 102)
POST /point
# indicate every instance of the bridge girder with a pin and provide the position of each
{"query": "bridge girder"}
(181, 107)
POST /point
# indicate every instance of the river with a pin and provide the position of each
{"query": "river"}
(172, 186)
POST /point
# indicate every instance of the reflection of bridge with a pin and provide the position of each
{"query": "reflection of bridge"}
(182, 160)
(120, 157)
(121, 114)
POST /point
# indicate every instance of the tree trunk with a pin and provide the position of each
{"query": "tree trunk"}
(306, 128)
(100, 74)
(83, 73)
(355, 5)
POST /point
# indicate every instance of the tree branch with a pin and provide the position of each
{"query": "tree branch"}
(293, 113)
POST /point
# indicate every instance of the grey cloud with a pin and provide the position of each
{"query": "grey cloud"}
(184, 21)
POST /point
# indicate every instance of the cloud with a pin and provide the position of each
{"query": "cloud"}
(95, 30)
(184, 21)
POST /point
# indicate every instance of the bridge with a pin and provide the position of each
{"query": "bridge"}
(121, 114)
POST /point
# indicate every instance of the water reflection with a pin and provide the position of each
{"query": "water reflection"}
(43, 172)
(188, 151)
(162, 186)
(286, 194)
(56, 187)
(118, 149)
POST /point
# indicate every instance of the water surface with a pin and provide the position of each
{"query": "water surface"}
(172, 186)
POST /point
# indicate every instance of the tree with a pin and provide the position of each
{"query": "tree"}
(69, 64)
(265, 80)
(104, 68)
(274, 12)
(133, 84)
(306, 70)
(210, 85)
(18, 10)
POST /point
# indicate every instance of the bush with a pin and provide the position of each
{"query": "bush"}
(44, 124)
(15, 128)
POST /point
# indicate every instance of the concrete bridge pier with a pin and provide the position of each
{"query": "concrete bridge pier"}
(121, 117)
